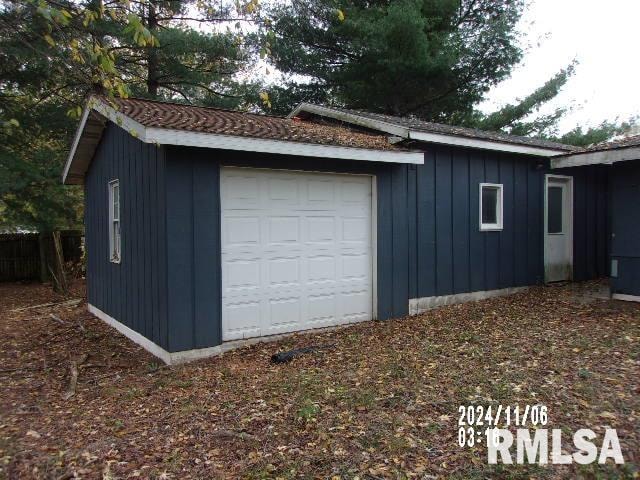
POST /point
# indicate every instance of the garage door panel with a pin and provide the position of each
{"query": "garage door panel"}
(241, 191)
(283, 191)
(355, 267)
(283, 229)
(320, 229)
(242, 319)
(355, 229)
(355, 192)
(242, 230)
(285, 311)
(322, 307)
(284, 271)
(298, 257)
(355, 304)
(242, 273)
(321, 268)
(321, 193)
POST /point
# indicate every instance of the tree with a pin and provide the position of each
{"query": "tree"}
(32, 147)
(583, 137)
(515, 118)
(31, 195)
(54, 52)
(432, 59)
(149, 47)
(428, 58)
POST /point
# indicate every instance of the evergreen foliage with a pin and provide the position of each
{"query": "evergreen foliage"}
(432, 59)
(53, 53)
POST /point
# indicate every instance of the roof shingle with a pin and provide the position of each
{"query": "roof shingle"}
(152, 113)
(632, 141)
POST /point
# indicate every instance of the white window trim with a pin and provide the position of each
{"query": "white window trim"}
(493, 227)
(112, 220)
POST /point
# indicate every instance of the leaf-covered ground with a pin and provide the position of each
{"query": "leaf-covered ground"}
(382, 403)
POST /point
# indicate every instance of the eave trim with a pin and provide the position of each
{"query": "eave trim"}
(600, 157)
(462, 141)
(417, 135)
(166, 136)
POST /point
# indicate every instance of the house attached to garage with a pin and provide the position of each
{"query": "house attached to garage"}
(207, 227)
(620, 161)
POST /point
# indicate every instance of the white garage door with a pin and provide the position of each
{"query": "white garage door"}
(296, 251)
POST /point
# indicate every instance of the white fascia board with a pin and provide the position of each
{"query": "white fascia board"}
(107, 111)
(351, 118)
(167, 136)
(602, 157)
(76, 141)
(134, 128)
(461, 141)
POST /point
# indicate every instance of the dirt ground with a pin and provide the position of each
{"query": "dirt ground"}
(382, 402)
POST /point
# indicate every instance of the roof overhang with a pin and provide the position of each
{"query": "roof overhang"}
(98, 112)
(600, 157)
(420, 136)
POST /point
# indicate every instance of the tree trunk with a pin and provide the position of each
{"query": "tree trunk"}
(58, 275)
(152, 53)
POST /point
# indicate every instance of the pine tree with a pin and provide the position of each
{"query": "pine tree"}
(428, 58)
(432, 59)
(55, 52)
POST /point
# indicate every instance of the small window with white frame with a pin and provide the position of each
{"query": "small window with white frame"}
(491, 200)
(114, 221)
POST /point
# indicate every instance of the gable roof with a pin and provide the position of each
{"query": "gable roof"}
(418, 130)
(606, 153)
(177, 124)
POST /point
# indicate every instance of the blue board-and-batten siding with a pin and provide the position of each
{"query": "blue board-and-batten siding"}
(168, 286)
(591, 220)
(193, 249)
(625, 244)
(452, 254)
(134, 291)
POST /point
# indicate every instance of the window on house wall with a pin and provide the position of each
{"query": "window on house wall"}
(114, 221)
(491, 206)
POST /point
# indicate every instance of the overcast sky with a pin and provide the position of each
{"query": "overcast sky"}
(604, 36)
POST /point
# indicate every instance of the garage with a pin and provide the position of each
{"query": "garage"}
(297, 250)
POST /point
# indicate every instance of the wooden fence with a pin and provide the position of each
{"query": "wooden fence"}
(25, 256)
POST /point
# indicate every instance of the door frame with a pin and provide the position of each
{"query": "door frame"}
(374, 228)
(568, 180)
